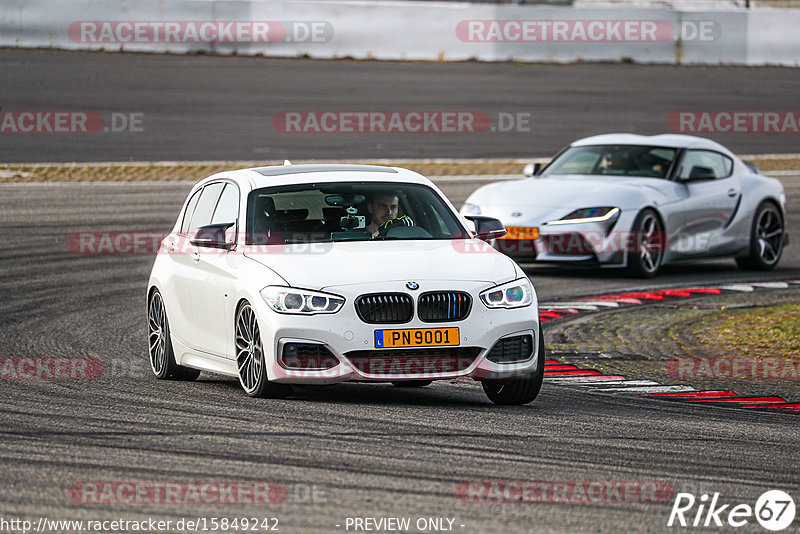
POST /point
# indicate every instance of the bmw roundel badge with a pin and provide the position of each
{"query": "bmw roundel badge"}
(412, 285)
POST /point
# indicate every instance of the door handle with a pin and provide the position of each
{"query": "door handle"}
(196, 256)
(732, 192)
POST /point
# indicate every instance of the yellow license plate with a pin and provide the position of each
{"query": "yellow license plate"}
(416, 337)
(521, 233)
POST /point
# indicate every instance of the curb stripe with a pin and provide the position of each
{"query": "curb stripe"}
(738, 287)
(629, 383)
(745, 400)
(772, 285)
(791, 407)
(593, 380)
(698, 394)
(584, 379)
(649, 389)
(577, 372)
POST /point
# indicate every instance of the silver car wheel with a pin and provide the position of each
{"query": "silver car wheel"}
(157, 327)
(249, 351)
(769, 232)
(650, 245)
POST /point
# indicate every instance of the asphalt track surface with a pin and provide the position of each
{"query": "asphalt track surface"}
(367, 450)
(222, 108)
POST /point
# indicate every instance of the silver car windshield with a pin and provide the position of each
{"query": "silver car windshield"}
(613, 160)
(349, 211)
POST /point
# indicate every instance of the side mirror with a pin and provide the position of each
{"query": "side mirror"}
(532, 169)
(752, 167)
(699, 172)
(212, 236)
(487, 228)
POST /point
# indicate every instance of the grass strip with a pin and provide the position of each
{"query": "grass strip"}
(193, 171)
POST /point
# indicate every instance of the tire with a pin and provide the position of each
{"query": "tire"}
(162, 357)
(766, 239)
(250, 362)
(645, 259)
(412, 383)
(518, 391)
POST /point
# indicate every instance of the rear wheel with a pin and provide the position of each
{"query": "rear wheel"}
(250, 358)
(412, 383)
(766, 239)
(644, 260)
(517, 391)
(162, 357)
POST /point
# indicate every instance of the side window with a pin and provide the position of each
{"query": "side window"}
(719, 164)
(727, 164)
(205, 206)
(428, 217)
(228, 206)
(656, 162)
(190, 206)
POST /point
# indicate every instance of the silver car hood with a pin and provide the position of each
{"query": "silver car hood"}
(535, 201)
(575, 191)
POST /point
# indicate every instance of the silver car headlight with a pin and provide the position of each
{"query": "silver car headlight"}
(516, 294)
(470, 209)
(301, 301)
(589, 215)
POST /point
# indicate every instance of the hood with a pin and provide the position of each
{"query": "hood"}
(574, 191)
(321, 265)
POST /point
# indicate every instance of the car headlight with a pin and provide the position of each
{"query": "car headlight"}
(300, 301)
(516, 294)
(470, 209)
(588, 215)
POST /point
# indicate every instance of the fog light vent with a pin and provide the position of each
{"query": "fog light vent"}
(306, 357)
(512, 349)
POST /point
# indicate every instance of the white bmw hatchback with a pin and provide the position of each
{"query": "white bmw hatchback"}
(318, 274)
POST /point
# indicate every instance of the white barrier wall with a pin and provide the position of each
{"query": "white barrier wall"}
(773, 37)
(414, 30)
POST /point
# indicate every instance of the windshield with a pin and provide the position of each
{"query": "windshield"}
(613, 160)
(349, 211)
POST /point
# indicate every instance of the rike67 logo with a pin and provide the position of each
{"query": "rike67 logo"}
(774, 510)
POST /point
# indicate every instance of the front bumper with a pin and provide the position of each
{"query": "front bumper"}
(594, 243)
(351, 342)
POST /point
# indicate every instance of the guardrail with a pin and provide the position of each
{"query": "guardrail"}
(433, 31)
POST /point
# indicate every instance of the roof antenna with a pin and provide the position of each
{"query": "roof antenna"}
(286, 162)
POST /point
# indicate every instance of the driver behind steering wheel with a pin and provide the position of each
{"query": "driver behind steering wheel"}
(383, 209)
(403, 220)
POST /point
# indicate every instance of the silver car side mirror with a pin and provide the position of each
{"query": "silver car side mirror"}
(532, 169)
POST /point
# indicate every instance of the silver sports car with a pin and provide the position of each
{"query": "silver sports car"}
(639, 202)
